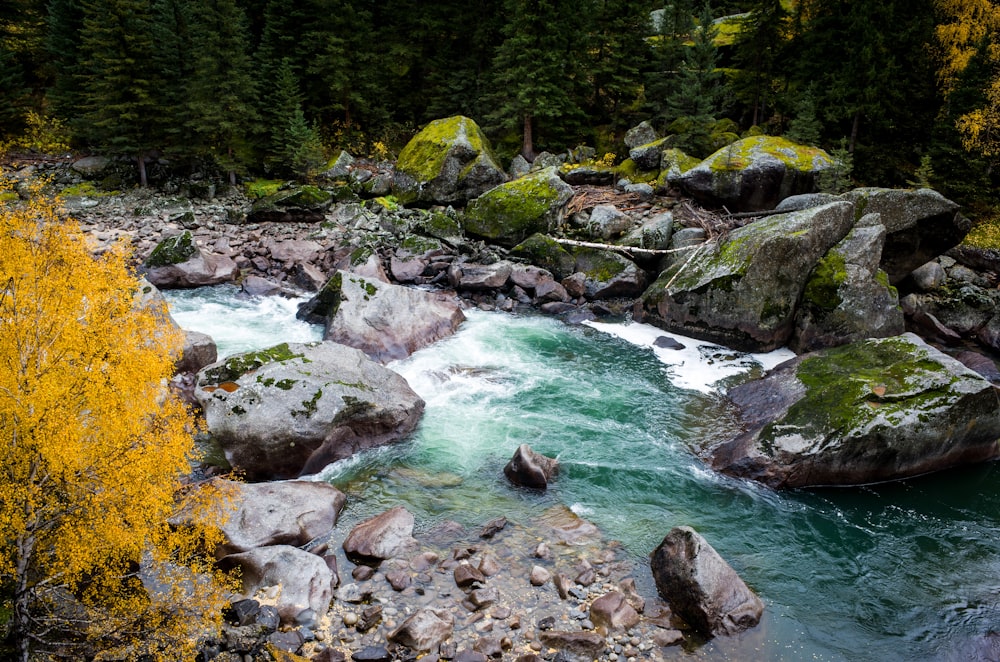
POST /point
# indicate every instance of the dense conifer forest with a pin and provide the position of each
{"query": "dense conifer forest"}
(247, 87)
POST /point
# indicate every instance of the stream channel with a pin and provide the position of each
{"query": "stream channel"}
(907, 570)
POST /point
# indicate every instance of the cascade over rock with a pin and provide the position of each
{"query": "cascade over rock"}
(742, 291)
(874, 410)
(292, 409)
(448, 162)
(753, 174)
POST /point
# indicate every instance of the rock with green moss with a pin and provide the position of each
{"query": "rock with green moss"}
(291, 410)
(920, 225)
(609, 275)
(303, 204)
(511, 212)
(386, 322)
(448, 162)
(754, 174)
(875, 410)
(742, 291)
(673, 163)
(178, 262)
(647, 156)
(847, 297)
(545, 252)
(655, 233)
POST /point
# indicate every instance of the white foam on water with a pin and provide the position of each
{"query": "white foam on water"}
(699, 365)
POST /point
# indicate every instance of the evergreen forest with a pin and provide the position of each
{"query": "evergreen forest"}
(242, 88)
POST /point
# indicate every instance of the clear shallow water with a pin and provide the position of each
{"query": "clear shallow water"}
(903, 571)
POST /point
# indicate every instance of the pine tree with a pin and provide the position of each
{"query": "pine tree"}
(220, 92)
(674, 26)
(535, 72)
(62, 44)
(12, 95)
(805, 127)
(122, 112)
(759, 45)
(619, 32)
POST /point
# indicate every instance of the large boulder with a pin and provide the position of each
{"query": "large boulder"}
(178, 262)
(384, 536)
(920, 225)
(754, 174)
(386, 322)
(302, 204)
(293, 512)
(304, 579)
(511, 212)
(292, 409)
(608, 275)
(448, 162)
(742, 291)
(701, 587)
(847, 296)
(875, 410)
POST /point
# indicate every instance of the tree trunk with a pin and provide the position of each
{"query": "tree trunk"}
(141, 159)
(528, 146)
(854, 131)
(22, 598)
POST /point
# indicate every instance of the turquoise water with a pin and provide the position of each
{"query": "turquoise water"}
(908, 570)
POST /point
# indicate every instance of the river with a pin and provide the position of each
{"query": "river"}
(907, 570)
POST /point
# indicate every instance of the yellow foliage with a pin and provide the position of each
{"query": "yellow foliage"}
(970, 24)
(93, 450)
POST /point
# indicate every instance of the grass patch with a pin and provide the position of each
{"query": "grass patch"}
(261, 188)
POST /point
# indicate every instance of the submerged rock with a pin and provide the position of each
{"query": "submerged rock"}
(530, 469)
(870, 411)
(291, 409)
(701, 587)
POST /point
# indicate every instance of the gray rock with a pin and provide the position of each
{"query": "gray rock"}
(871, 411)
(448, 161)
(256, 286)
(929, 276)
(539, 576)
(277, 513)
(920, 225)
(613, 612)
(303, 577)
(387, 322)
(608, 274)
(647, 156)
(701, 587)
(607, 222)
(847, 297)
(582, 645)
(469, 276)
(292, 409)
(177, 262)
(91, 166)
(641, 134)
(424, 630)
(530, 469)
(299, 204)
(340, 169)
(199, 351)
(654, 233)
(742, 291)
(754, 174)
(385, 536)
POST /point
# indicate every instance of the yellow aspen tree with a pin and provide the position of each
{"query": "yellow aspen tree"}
(93, 451)
(971, 28)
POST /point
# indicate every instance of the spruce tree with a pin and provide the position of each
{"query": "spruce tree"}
(220, 92)
(674, 26)
(62, 44)
(619, 47)
(536, 74)
(12, 96)
(759, 45)
(121, 110)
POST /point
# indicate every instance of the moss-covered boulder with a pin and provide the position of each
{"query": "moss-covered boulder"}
(609, 275)
(511, 212)
(875, 410)
(847, 297)
(545, 252)
(743, 291)
(448, 162)
(292, 409)
(754, 174)
(647, 156)
(178, 262)
(674, 163)
(303, 204)
(920, 225)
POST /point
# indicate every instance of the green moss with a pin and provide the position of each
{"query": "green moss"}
(87, 189)
(310, 406)
(417, 245)
(440, 225)
(285, 384)
(545, 252)
(369, 288)
(389, 202)
(741, 154)
(823, 287)
(516, 209)
(359, 255)
(306, 196)
(985, 234)
(240, 364)
(262, 188)
(849, 386)
(424, 156)
(628, 169)
(598, 265)
(173, 250)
